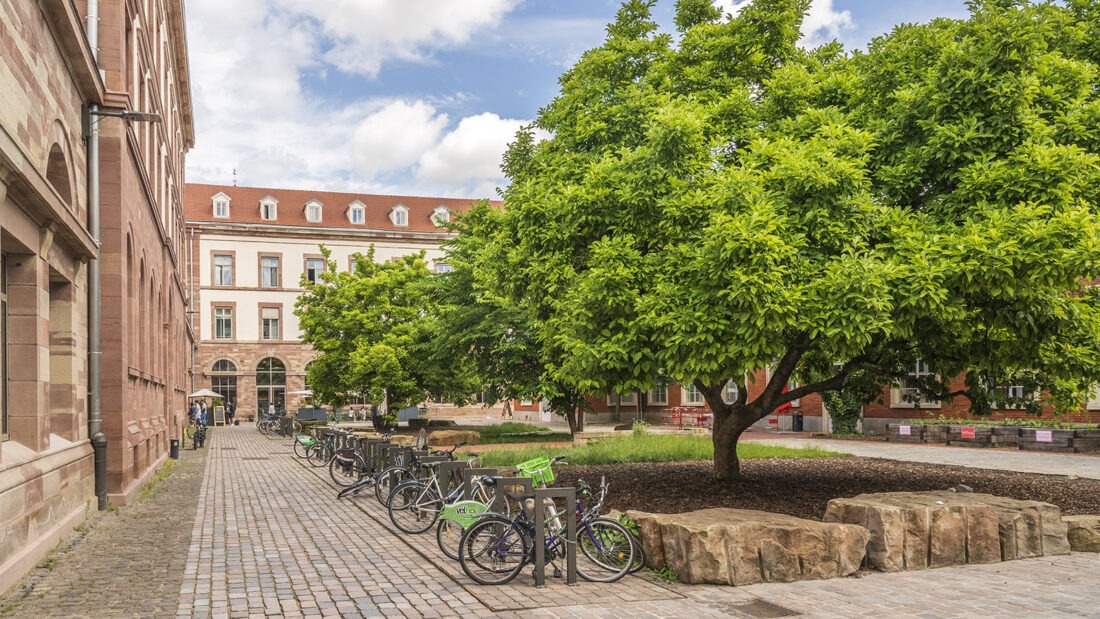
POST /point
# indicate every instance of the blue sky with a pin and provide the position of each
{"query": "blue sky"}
(412, 97)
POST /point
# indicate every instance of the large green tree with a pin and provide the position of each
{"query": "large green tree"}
(365, 324)
(719, 200)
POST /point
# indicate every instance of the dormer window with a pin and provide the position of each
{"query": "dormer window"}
(221, 206)
(357, 212)
(269, 209)
(400, 215)
(313, 211)
(441, 215)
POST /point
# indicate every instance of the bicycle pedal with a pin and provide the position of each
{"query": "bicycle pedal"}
(557, 572)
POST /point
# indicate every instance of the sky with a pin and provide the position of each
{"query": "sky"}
(412, 97)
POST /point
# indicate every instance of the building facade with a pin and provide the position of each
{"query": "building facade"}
(250, 249)
(68, 72)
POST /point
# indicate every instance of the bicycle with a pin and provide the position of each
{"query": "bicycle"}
(414, 506)
(455, 518)
(347, 466)
(402, 472)
(195, 432)
(495, 549)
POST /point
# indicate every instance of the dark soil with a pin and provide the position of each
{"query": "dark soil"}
(803, 486)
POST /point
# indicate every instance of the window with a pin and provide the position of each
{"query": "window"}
(223, 323)
(223, 379)
(269, 209)
(314, 268)
(223, 270)
(400, 215)
(692, 396)
(659, 393)
(730, 392)
(626, 399)
(221, 205)
(269, 272)
(313, 211)
(269, 319)
(906, 393)
(441, 215)
(357, 212)
(443, 268)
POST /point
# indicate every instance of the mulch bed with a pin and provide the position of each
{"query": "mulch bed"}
(803, 486)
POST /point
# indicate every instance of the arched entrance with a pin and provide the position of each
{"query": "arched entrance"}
(271, 384)
(223, 379)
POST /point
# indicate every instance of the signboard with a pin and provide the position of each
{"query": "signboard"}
(219, 415)
(904, 431)
(1044, 436)
(968, 432)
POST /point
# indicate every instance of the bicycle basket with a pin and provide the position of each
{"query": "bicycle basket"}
(538, 469)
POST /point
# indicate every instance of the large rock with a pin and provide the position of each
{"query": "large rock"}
(741, 547)
(918, 530)
(1083, 533)
(449, 438)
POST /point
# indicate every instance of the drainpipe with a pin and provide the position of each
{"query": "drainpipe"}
(95, 418)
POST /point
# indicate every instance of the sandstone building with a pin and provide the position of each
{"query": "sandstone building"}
(90, 210)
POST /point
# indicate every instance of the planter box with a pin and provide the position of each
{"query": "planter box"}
(909, 433)
(1061, 441)
(983, 436)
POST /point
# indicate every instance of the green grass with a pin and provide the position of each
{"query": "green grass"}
(647, 448)
(514, 432)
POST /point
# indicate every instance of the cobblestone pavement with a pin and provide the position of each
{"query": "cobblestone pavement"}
(264, 537)
(126, 562)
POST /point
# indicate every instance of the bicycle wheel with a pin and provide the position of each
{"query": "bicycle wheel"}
(414, 507)
(388, 480)
(493, 550)
(320, 454)
(448, 534)
(640, 558)
(300, 449)
(346, 472)
(607, 550)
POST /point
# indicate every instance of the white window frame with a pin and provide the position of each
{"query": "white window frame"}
(696, 398)
(226, 318)
(272, 274)
(357, 211)
(399, 215)
(269, 208)
(627, 399)
(727, 397)
(443, 267)
(899, 391)
(317, 276)
(220, 271)
(661, 388)
(314, 212)
(276, 324)
(441, 215)
(220, 203)
(1093, 403)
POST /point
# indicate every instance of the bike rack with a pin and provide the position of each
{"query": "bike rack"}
(500, 501)
(570, 515)
(467, 480)
(450, 475)
(372, 453)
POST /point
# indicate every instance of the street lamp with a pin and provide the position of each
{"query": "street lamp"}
(95, 417)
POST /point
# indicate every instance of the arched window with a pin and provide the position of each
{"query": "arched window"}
(223, 379)
(271, 384)
(57, 173)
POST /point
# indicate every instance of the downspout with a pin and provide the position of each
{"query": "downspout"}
(95, 418)
(191, 300)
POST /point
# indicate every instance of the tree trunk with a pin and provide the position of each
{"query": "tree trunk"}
(725, 436)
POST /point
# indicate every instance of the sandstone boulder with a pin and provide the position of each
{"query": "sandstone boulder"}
(1083, 533)
(398, 439)
(449, 438)
(918, 530)
(741, 547)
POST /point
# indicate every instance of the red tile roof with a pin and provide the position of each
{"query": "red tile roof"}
(244, 207)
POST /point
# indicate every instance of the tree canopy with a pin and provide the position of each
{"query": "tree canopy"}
(720, 200)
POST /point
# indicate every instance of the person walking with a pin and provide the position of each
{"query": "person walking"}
(230, 412)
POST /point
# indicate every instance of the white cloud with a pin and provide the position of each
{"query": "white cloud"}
(471, 154)
(364, 34)
(821, 24)
(396, 136)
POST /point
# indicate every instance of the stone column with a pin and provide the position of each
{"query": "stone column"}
(28, 351)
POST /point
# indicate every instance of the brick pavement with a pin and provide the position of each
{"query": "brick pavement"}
(263, 537)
